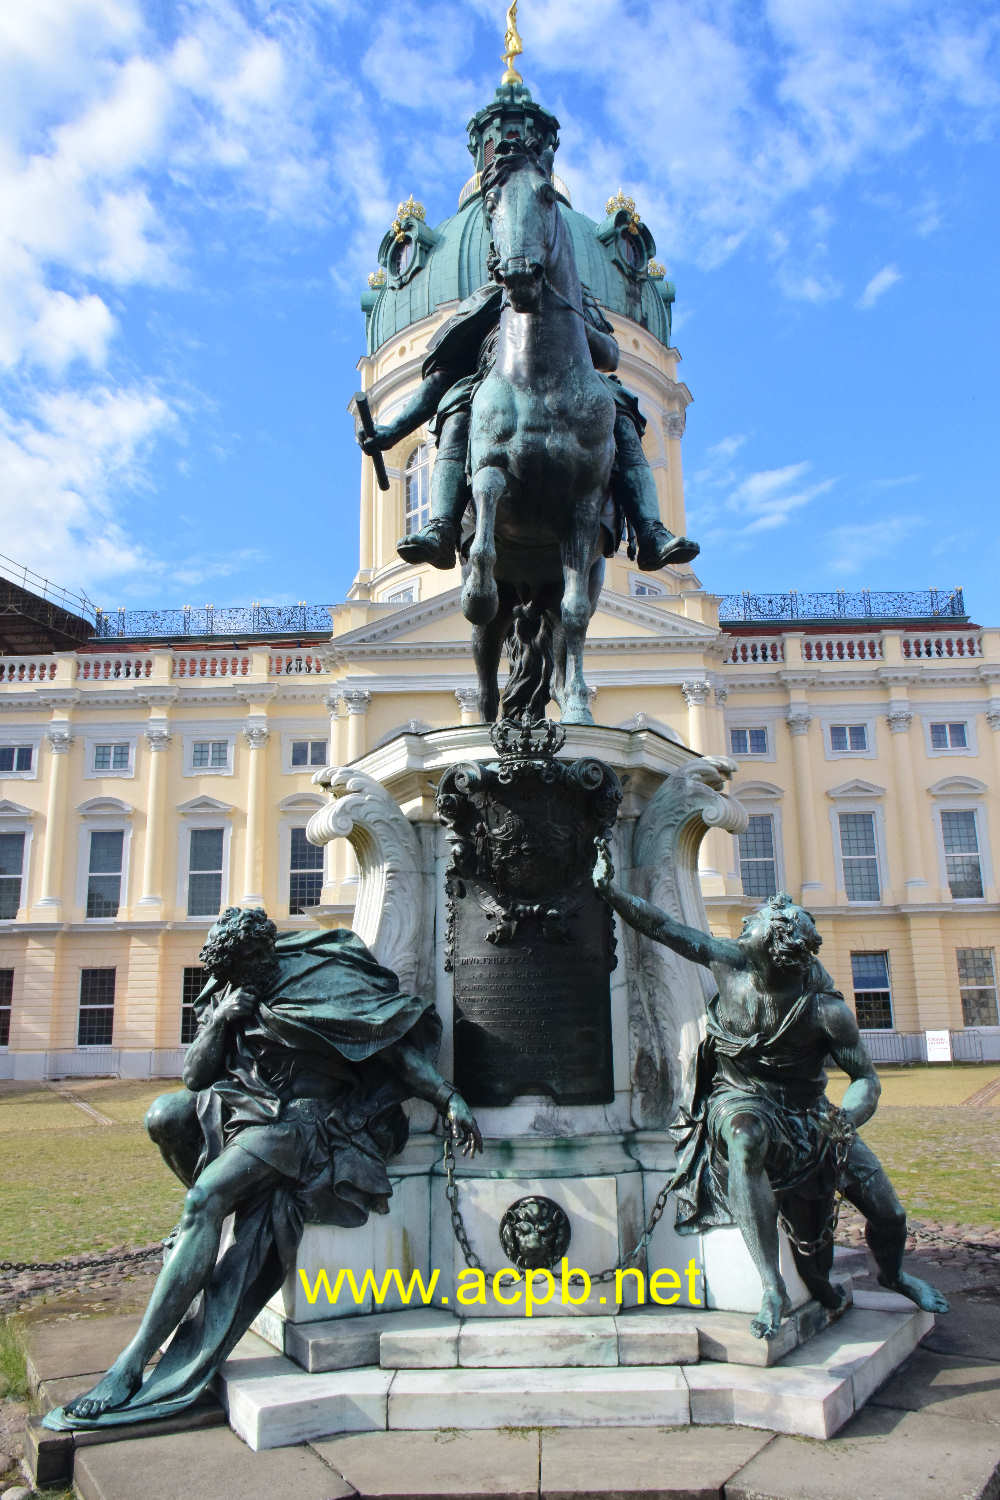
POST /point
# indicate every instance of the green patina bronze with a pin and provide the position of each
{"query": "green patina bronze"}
(757, 1137)
(305, 1052)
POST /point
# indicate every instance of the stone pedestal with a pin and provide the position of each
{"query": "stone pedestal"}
(445, 1358)
(603, 1164)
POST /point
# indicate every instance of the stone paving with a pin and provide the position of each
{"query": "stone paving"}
(932, 1432)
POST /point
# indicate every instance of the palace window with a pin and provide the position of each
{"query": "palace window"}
(401, 596)
(848, 737)
(104, 873)
(6, 1004)
(977, 985)
(758, 870)
(950, 736)
(96, 1022)
(641, 588)
(113, 757)
(16, 760)
(205, 856)
(305, 876)
(748, 741)
(859, 854)
(417, 510)
(11, 873)
(210, 755)
(191, 987)
(306, 753)
(872, 991)
(961, 854)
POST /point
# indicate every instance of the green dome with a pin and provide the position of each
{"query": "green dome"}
(448, 263)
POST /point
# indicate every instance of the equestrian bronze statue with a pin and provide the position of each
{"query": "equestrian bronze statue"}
(523, 404)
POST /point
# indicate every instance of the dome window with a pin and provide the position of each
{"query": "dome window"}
(401, 256)
(633, 251)
(417, 493)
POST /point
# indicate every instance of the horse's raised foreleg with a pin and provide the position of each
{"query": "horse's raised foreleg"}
(479, 590)
(575, 612)
(487, 645)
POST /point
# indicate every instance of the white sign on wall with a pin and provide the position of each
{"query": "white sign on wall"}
(938, 1046)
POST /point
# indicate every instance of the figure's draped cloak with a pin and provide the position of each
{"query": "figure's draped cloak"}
(331, 1010)
(775, 1076)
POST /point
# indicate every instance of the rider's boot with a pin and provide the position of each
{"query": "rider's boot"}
(635, 492)
(436, 542)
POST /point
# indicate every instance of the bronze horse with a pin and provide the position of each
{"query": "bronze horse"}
(541, 448)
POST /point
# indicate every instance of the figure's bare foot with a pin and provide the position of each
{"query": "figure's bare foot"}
(773, 1308)
(831, 1295)
(117, 1386)
(921, 1292)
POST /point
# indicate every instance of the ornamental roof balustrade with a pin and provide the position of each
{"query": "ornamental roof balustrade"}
(211, 620)
(839, 604)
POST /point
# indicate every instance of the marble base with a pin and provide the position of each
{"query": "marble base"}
(812, 1391)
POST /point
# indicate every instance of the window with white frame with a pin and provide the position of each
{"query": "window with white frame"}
(206, 850)
(192, 985)
(16, 760)
(848, 737)
(210, 755)
(402, 596)
(872, 991)
(6, 1004)
(417, 488)
(748, 741)
(96, 1016)
(641, 588)
(308, 753)
(305, 874)
(950, 736)
(11, 873)
(859, 856)
(977, 983)
(113, 756)
(961, 853)
(758, 867)
(104, 872)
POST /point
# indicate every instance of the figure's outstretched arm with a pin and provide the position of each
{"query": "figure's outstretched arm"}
(850, 1053)
(689, 942)
(425, 1082)
(421, 406)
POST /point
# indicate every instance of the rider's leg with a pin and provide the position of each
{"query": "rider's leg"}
(172, 1122)
(435, 543)
(233, 1176)
(755, 1210)
(867, 1186)
(635, 492)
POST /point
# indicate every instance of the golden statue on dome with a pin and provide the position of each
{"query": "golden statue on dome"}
(512, 46)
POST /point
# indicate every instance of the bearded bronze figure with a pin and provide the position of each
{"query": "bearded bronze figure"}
(758, 1138)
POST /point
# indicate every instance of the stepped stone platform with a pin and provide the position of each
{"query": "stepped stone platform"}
(426, 1370)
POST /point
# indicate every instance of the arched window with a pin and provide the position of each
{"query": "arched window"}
(418, 488)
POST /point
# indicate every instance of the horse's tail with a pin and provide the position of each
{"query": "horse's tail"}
(530, 649)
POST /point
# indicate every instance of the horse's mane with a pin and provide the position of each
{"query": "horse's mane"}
(510, 157)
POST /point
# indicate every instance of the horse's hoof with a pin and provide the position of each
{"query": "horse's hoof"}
(577, 716)
(480, 608)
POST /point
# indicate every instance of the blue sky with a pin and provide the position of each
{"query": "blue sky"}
(191, 197)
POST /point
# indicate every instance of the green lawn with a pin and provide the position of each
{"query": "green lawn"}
(71, 1185)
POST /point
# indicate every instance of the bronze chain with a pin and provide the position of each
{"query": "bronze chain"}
(473, 1261)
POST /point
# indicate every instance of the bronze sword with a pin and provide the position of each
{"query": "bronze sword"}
(365, 416)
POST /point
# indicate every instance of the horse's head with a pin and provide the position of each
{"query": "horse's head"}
(523, 212)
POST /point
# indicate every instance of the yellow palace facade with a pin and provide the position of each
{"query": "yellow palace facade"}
(162, 768)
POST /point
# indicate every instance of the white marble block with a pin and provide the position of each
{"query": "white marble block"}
(731, 1279)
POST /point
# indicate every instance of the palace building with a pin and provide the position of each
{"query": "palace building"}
(157, 767)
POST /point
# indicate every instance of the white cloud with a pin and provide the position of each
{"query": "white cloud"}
(851, 549)
(878, 286)
(768, 498)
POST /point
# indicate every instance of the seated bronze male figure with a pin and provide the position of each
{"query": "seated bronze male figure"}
(758, 1136)
(305, 1051)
